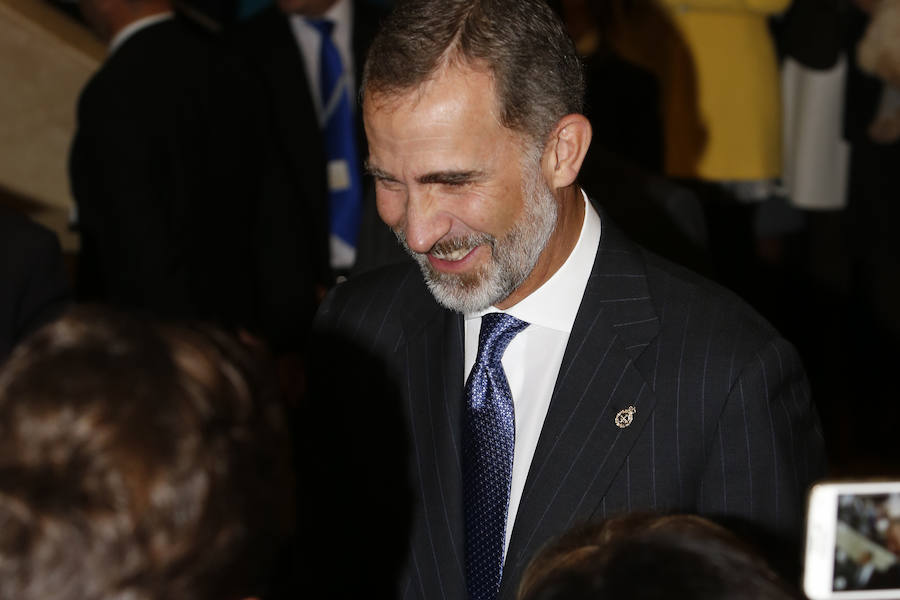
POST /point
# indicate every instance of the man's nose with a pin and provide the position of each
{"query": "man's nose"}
(426, 221)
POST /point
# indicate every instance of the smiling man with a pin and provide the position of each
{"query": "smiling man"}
(552, 370)
(466, 195)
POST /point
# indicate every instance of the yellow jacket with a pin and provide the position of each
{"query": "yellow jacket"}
(736, 91)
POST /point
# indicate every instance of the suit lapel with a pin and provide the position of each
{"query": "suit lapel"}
(434, 391)
(581, 448)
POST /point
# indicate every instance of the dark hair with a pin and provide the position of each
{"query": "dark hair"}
(647, 557)
(140, 461)
(537, 75)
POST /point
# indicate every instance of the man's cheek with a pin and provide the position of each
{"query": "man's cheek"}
(390, 208)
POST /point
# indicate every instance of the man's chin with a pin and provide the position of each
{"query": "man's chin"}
(464, 292)
(461, 292)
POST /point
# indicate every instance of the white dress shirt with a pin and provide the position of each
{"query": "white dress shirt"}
(309, 40)
(532, 359)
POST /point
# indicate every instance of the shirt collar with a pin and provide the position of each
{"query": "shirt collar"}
(132, 28)
(555, 304)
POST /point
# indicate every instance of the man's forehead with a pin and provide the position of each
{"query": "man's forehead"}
(446, 129)
(450, 81)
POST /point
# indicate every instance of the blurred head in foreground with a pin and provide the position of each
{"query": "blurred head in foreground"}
(138, 461)
(649, 557)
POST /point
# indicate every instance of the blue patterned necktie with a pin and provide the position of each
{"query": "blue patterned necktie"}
(339, 131)
(488, 441)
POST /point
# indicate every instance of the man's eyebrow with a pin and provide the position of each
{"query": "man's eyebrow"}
(451, 177)
(376, 172)
(440, 177)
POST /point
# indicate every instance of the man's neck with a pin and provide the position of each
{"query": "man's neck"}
(569, 219)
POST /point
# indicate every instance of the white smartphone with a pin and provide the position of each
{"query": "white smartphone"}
(853, 541)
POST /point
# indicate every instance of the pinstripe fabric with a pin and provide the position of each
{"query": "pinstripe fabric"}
(723, 422)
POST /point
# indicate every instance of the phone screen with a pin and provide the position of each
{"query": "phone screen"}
(867, 542)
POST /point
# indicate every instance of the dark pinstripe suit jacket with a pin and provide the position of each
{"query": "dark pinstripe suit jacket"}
(723, 422)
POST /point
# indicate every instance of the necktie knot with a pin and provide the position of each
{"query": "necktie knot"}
(497, 331)
(323, 26)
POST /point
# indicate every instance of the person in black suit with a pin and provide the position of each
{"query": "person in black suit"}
(632, 384)
(163, 217)
(34, 288)
(873, 248)
(296, 259)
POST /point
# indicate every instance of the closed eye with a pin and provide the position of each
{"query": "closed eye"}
(388, 184)
(377, 173)
(456, 183)
(385, 180)
(451, 178)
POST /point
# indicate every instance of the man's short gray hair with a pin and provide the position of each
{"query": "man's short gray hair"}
(537, 75)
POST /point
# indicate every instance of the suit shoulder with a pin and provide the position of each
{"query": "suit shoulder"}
(380, 306)
(162, 42)
(689, 302)
(169, 55)
(380, 290)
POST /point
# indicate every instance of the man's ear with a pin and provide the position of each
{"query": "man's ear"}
(566, 149)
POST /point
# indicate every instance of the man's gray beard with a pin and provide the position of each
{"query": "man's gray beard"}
(512, 259)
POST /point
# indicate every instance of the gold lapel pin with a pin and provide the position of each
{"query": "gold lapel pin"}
(624, 417)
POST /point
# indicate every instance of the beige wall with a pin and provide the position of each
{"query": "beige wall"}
(45, 60)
